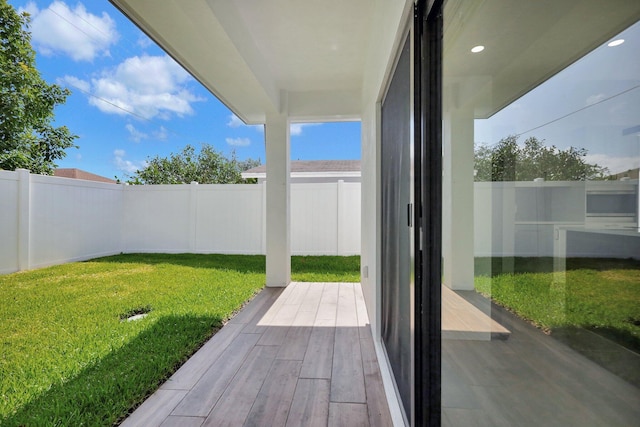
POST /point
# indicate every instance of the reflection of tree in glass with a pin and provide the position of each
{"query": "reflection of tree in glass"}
(508, 161)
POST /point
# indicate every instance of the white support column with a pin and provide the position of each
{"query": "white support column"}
(457, 215)
(278, 201)
(24, 218)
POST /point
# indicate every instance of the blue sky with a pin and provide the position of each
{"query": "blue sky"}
(131, 101)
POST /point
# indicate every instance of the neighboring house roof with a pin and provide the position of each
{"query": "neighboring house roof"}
(312, 168)
(631, 174)
(80, 174)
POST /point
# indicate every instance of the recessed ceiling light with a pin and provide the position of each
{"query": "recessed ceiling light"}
(615, 43)
(477, 49)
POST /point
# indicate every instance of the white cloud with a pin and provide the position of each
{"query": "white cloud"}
(134, 134)
(74, 32)
(614, 164)
(144, 41)
(161, 133)
(296, 128)
(75, 82)
(147, 86)
(238, 142)
(126, 166)
(234, 121)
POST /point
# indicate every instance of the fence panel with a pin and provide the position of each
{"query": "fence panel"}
(156, 218)
(314, 219)
(349, 220)
(72, 220)
(229, 219)
(8, 222)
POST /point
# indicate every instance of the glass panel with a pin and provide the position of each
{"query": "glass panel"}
(541, 134)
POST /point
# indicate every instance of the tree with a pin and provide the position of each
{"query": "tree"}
(27, 137)
(508, 161)
(206, 167)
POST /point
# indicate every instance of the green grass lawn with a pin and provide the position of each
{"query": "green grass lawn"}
(602, 295)
(66, 356)
(325, 268)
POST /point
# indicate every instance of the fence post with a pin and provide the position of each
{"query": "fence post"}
(193, 215)
(340, 220)
(24, 218)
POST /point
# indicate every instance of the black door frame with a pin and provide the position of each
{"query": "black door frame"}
(428, 209)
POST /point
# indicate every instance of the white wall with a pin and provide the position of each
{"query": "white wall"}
(387, 32)
(51, 220)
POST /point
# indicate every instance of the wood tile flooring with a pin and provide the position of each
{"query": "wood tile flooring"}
(302, 356)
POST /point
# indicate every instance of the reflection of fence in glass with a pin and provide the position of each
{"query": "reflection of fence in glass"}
(525, 219)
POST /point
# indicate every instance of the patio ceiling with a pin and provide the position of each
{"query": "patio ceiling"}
(263, 56)
(527, 42)
(308, 58)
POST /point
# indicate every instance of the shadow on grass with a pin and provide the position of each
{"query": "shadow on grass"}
(240, 263)
(492, 266)
(104, 393)
(602, 345)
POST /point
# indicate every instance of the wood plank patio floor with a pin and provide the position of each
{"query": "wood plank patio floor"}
(304, 356)
(298, 356)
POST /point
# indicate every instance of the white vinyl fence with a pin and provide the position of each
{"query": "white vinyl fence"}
(48, 220)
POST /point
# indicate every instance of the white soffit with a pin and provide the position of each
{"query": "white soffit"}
(527, 42)
(305, 58)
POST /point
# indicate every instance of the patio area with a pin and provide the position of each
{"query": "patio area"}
(304, 356)
(294, 356)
